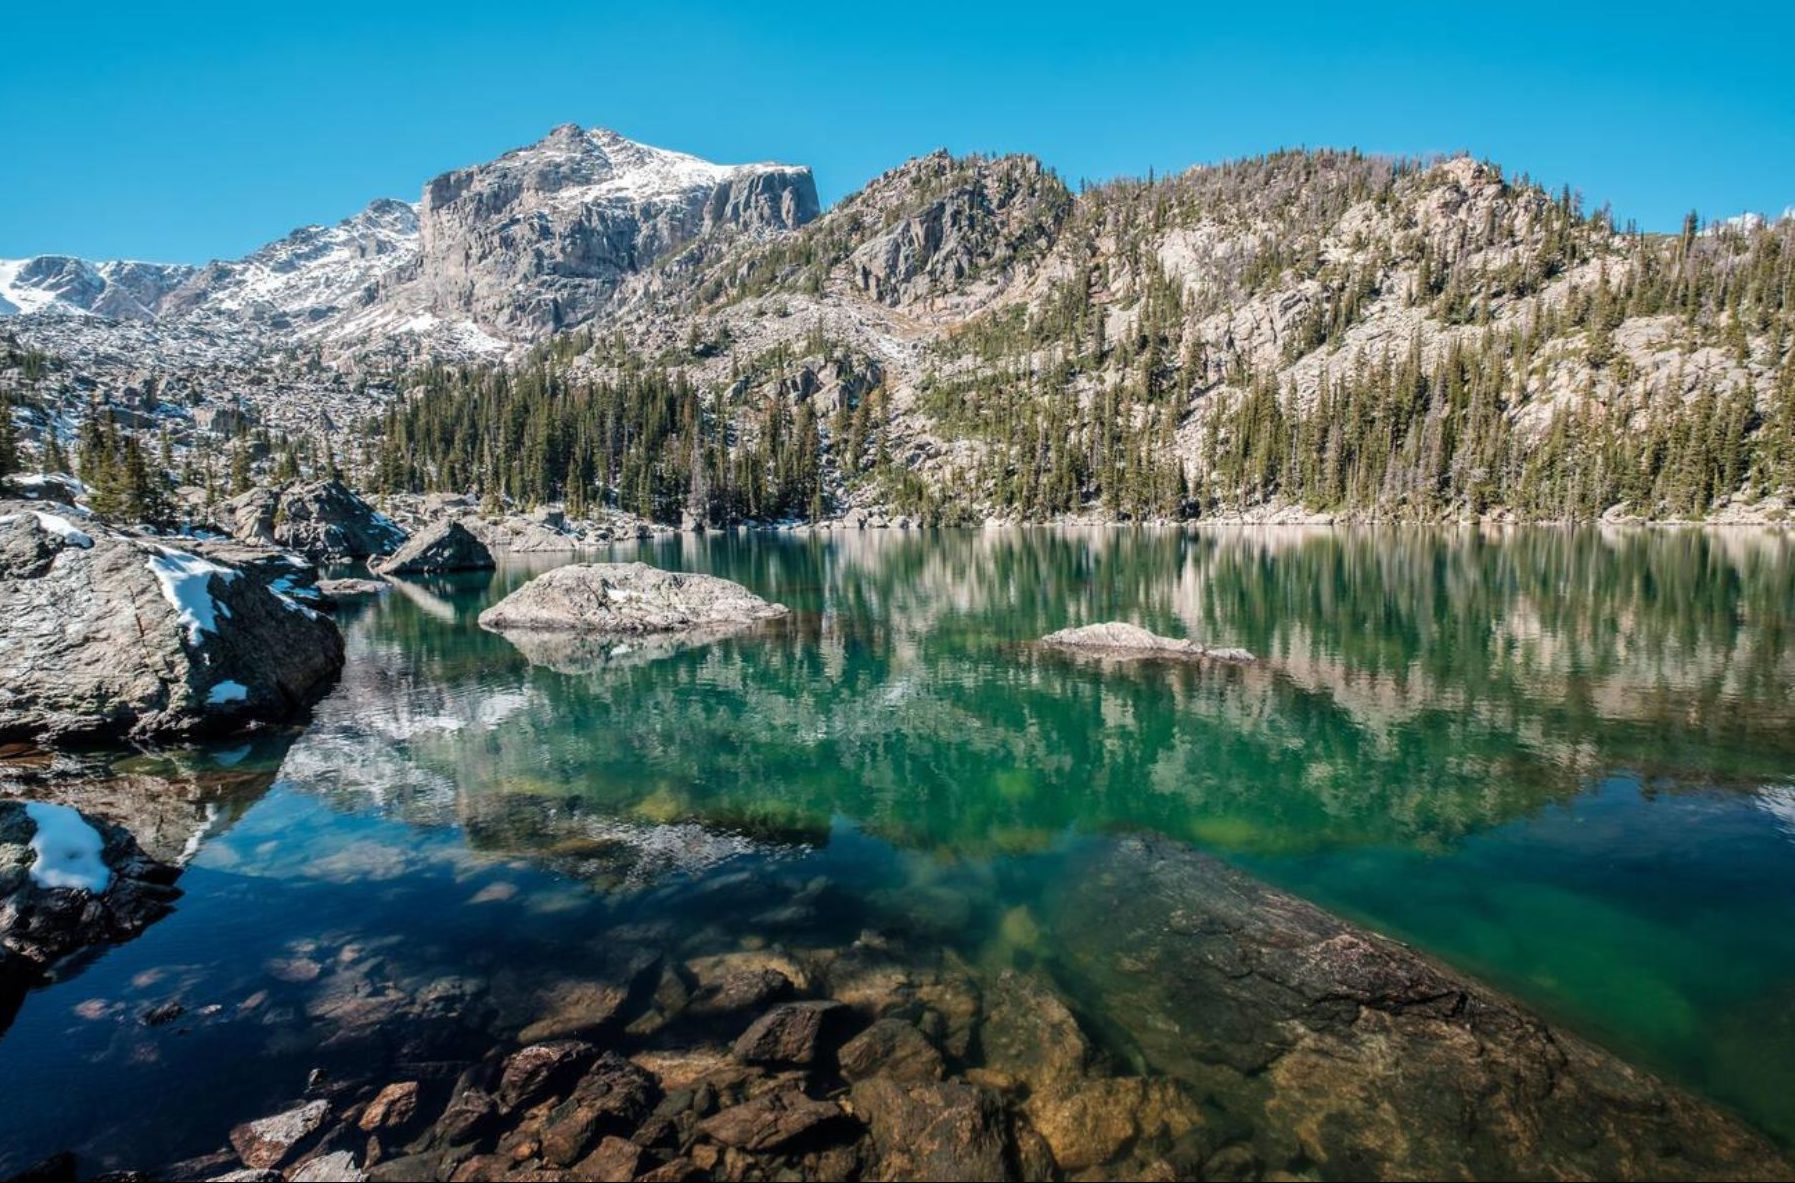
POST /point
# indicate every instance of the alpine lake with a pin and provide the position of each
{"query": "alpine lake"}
(1559, 762)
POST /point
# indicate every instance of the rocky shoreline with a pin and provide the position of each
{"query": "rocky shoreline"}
(1258, 1037)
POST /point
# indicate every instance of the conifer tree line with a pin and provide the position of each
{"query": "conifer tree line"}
(645, 441)
(125, 482)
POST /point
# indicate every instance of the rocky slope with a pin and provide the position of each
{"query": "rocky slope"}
(491, 257)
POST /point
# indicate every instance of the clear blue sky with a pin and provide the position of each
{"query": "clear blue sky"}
(204, 130)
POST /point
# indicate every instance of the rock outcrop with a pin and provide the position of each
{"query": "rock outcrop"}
(112, 634)
(625, 599)
(1121, 641)
(69, 881)
(444, 548)
(326, 521)
(1340, 1048)
(542, 237)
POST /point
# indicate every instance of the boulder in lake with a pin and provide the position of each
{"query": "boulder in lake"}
(525, 534)
(443, 548)
(337, 592)
(112, 634)
(624, 599)
(326, 521)
(1115, 639)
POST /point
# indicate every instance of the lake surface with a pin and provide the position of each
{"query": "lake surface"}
(1563, 762)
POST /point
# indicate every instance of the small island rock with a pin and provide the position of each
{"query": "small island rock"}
(623, 599)
(1115, 639)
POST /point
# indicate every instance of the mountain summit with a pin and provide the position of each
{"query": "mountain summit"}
(492, 256)
(541, 238)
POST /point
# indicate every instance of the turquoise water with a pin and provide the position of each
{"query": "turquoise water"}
(1562, 761)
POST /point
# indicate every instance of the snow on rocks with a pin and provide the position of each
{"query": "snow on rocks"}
(67, 881)
(67, 849)
(55, 524)
(186, 583)
(134, 636)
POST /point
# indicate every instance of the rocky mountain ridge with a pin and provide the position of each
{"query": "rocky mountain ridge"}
(971, 333)
(491, 256)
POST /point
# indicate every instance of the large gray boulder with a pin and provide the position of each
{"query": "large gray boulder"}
(110, 634)
(444, 547)
(1121, 641)
(625, 599)
(326, 521)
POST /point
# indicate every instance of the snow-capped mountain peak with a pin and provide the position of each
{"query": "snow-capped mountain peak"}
(492, 257)
(120, 289)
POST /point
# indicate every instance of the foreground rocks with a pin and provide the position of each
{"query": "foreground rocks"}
(626, 599)
(1249, 1035)
(1128, 641)
(1348, 1055)
(441, 549)
(325, 521)
(69, 881)
(110, 634)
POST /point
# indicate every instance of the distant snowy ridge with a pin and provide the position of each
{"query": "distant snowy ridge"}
(493, 257)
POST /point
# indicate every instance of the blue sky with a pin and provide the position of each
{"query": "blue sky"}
(197, 131)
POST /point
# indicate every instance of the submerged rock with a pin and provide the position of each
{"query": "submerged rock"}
(1116, 639)
(1329, 1045)
(946, 1130)
(326, 521)
(796, 1033)
(112, 634)
(624, 599)
(443, 548)
(773, 1121)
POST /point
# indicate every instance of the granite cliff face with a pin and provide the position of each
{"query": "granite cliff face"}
(492, 256)
(541, 238)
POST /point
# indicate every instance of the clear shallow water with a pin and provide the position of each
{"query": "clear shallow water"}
(1564, 762)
